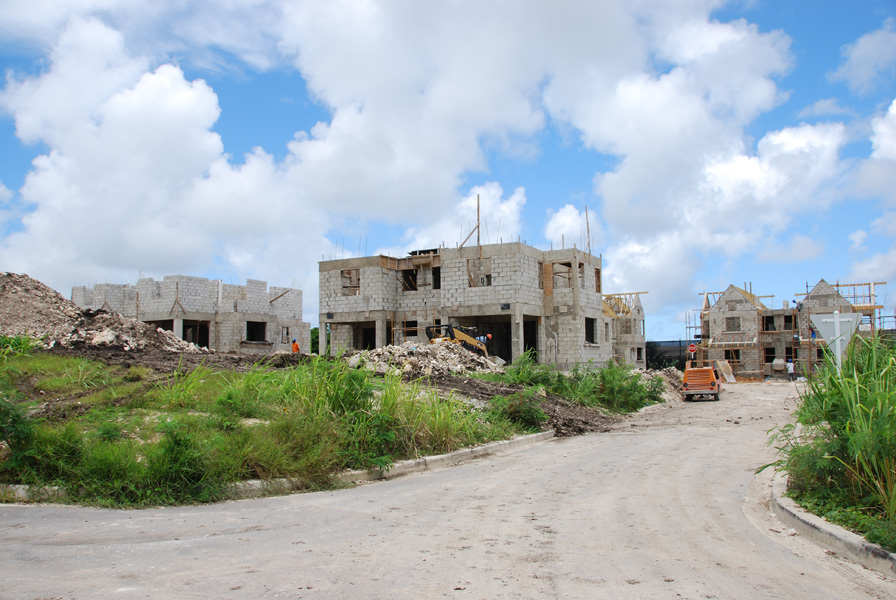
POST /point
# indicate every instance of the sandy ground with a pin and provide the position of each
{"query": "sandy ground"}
(664, 505)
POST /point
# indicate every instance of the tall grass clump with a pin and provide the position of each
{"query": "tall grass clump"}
(17, 345)
(840, 454)
(185, 438)
(525, 370)
(187, 389)
(614, 387)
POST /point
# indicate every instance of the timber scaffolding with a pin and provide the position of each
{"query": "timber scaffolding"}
(757, 341)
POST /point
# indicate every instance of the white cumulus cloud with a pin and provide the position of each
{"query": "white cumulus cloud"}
(568, 226)
(870, 58)
(800, 248)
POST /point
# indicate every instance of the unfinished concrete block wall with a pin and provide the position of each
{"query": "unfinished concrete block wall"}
(217, 313)
(503, 288)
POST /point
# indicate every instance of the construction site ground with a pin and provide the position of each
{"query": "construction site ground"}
(564, 417)
(30, 308)
(667, 504)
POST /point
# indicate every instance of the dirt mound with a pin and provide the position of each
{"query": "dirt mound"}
(414, 360)
(564, 417)
(30, 308)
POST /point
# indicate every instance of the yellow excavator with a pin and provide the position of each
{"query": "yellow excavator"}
(455, 334)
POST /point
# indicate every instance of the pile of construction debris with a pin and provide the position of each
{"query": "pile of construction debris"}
(30, 308)
(671, 382)
(413, 359)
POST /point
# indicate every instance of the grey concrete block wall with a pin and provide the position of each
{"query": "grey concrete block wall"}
(513, 293)
(225, 308)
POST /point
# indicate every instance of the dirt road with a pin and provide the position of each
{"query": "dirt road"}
(665, 505)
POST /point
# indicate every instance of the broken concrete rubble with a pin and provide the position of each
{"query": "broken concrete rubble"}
(414, 359)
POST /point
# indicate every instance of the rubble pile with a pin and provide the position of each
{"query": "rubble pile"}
(672, 382)
(416, 360)
(30, 308)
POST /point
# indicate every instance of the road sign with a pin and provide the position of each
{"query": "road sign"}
(836, 330)
(692, 348)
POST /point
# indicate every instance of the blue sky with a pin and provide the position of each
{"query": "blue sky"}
(712, 142)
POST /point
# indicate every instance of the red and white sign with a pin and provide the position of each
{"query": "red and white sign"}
(692, 348)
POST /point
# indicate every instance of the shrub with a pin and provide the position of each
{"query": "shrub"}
(523, 408)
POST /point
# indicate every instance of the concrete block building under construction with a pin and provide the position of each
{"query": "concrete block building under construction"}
(549, 301)
(757, 341)
(210, 313)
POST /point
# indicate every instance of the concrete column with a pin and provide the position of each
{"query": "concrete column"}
(178, 328)
(576, 288)
(381, 331)
(321, 339)
(516, 332)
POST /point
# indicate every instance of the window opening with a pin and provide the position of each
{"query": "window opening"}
(769, 355)
(437, 278)
(562, 275)
(284, 335)
(256, 331)
(788, 322)
(351, 282)
(732, 356)
(640, 354)
(597, 280)
(409, 280)
(589, 330)
(479, 272)
(768, 323)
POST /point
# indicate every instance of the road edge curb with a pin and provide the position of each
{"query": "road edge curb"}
(418, 465)
(259, 488)
(824, 533)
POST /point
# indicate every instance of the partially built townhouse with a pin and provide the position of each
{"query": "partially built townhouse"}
(209, 313)
(757, 341)
(546, 301)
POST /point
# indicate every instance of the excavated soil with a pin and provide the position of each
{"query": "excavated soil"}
(564, 417)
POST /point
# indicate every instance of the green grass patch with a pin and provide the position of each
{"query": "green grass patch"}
(140, 439)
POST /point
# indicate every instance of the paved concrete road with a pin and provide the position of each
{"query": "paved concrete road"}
(666, 506)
